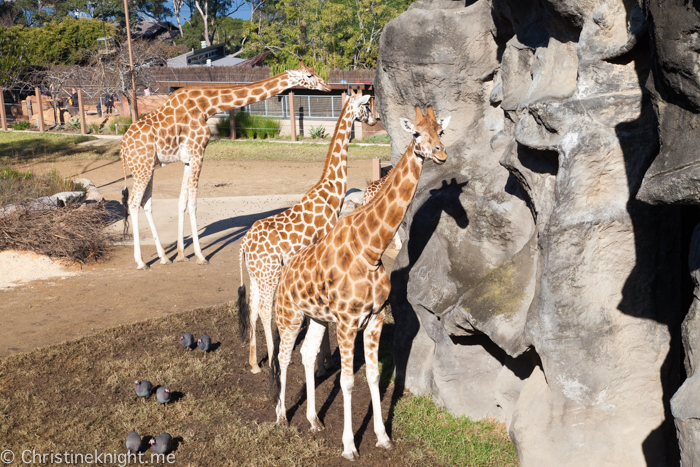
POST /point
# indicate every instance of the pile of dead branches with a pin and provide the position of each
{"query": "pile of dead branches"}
(73, 232)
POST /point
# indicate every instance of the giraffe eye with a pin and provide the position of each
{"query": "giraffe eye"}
(309, 75)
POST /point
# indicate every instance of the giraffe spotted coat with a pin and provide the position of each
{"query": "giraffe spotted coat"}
(178, 131)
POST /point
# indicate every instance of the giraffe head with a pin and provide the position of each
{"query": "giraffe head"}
(426, 135)
(359, 106)
(306, 77)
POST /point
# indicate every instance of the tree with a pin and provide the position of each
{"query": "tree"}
(13, 58)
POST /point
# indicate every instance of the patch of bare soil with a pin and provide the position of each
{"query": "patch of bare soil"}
(22, 266)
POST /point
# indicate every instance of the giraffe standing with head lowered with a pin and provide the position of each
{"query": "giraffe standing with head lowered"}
(178, 131)
(271, 242)
(341, 279)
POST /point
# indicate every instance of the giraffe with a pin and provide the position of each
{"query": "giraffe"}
(373, 188)
(178, 131)
(341, 279)
(271, 242)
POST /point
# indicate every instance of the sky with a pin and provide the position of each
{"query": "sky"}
(243, 13)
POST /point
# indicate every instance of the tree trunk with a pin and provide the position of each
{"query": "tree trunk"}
(205, 17)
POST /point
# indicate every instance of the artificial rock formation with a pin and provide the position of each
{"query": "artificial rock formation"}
(534, 286)
(674, 174)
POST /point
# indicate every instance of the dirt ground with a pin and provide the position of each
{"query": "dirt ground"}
(113, 292)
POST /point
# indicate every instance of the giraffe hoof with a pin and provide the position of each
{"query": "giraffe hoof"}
(202, 261)
(165, 261)
(316, 425)
(388, 445)
(255, 370)
(351, 455)
(181, 259)
(282, 422)
(142, 266)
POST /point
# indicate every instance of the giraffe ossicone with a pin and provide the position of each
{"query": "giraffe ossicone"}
(272, 241)
(178, 131)
(341, 279)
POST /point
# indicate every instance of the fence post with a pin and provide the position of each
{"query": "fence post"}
(232, 123)
(292, 116)
(40, 114)
(3, 117)
(376, 169)
(81, 111)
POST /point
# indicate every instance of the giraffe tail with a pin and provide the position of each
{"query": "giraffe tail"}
(125, 199)
(275, 375)
(243, 308)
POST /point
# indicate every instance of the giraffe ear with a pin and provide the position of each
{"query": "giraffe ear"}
(407, 125)
(364, 99)
(443, 122)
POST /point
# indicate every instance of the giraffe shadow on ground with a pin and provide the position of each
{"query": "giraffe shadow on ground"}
(245, 222)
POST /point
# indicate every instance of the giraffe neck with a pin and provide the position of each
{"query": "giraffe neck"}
(388, 208)
(240, 96)
(336, 166)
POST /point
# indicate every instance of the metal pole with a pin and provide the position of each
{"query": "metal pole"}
(134, 105)
(81, 111)
(292, 116)
(232, 123)
(40, 115)
(3, 117)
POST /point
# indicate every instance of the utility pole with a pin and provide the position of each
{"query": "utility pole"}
(134, 106)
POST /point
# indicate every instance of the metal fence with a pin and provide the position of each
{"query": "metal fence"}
(315, 107)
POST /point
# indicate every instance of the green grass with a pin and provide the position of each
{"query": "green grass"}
(455, 441)
(17, 148)
(121, 123)
(377, 139)
(251, 126)
(222, 150)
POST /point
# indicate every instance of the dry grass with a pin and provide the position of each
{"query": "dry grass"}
(17, 187)
(19, 148)
(73, 233)
(79, 396)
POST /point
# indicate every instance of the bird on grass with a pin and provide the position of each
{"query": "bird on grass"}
(203, 343)
(163, 395)
(133, 442)
(187, 339)
(161, 443)
(143, 389)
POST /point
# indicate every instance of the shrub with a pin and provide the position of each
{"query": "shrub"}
(74, 123)
(23, 125)
(94, 127)
(17, 187)
(251, 126)
(317, 132)
(121, 123)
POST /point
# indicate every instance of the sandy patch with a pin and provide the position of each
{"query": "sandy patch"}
(22, 266)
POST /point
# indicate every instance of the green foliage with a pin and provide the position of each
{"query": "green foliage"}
(317, 132)
(120, 123)
(251, 126)
(74, 123)
(22, 125)
(66, 42)
(454, 441)
(229, 31)
(339, 34)
(8, 172)
(94, 127)
(13, 56)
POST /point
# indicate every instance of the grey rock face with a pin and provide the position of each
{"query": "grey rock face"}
(533, 286)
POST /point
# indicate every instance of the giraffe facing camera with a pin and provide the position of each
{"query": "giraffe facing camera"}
(341, 279)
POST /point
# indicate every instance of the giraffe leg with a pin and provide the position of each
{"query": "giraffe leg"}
(288, 335)
(346, 344)
(324, 360)
(309, 349)
(181, 206)
(254, 312)
(267, 296)
(135, 199)
(147, 208)
(196, 168)
(371, 338)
